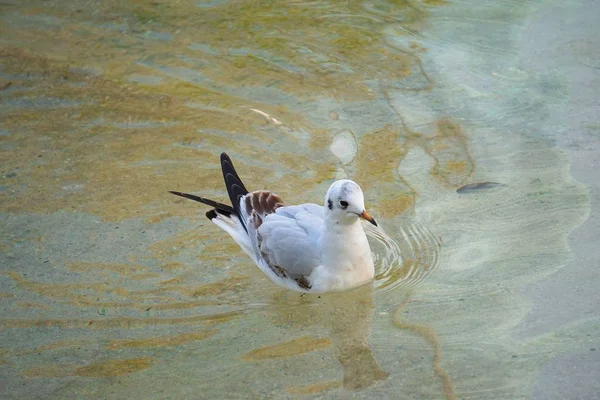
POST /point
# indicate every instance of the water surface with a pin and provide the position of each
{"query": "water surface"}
(460, 120)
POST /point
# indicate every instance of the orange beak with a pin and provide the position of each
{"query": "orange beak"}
(365, 215)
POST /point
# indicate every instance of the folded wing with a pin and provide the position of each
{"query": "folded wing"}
(286, 238)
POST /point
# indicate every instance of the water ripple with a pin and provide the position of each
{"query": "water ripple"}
(407, 262)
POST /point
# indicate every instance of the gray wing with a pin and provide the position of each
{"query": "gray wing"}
(289, 239)
(285, 239)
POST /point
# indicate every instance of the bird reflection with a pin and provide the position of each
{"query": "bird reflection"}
(347, 316)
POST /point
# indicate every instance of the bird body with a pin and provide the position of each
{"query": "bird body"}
(306, 247)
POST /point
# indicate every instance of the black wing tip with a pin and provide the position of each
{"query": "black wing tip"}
(235, 190)
(225, 158)
(234, 185)
(211, 214)
(180, 194)
(186, 195)
(220, 207)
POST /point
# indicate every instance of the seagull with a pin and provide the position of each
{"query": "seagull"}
(306, 248)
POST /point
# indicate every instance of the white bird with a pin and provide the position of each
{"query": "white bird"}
(307, 247)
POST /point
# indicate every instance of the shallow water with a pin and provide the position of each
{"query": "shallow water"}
(471, 126)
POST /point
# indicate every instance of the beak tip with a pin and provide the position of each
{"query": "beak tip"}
(365, 215)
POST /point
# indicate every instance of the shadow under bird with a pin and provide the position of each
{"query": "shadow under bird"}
(306, 247)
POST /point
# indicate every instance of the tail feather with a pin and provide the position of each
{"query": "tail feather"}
(235, 187)
(222, 208)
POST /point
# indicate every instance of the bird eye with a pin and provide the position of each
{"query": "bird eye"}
(344, 204)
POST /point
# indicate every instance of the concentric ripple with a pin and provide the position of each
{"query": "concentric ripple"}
(407, 261)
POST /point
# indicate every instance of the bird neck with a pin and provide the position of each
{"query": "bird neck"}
(342, 227)
(345, 245)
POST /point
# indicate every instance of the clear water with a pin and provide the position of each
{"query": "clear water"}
(472, 127)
